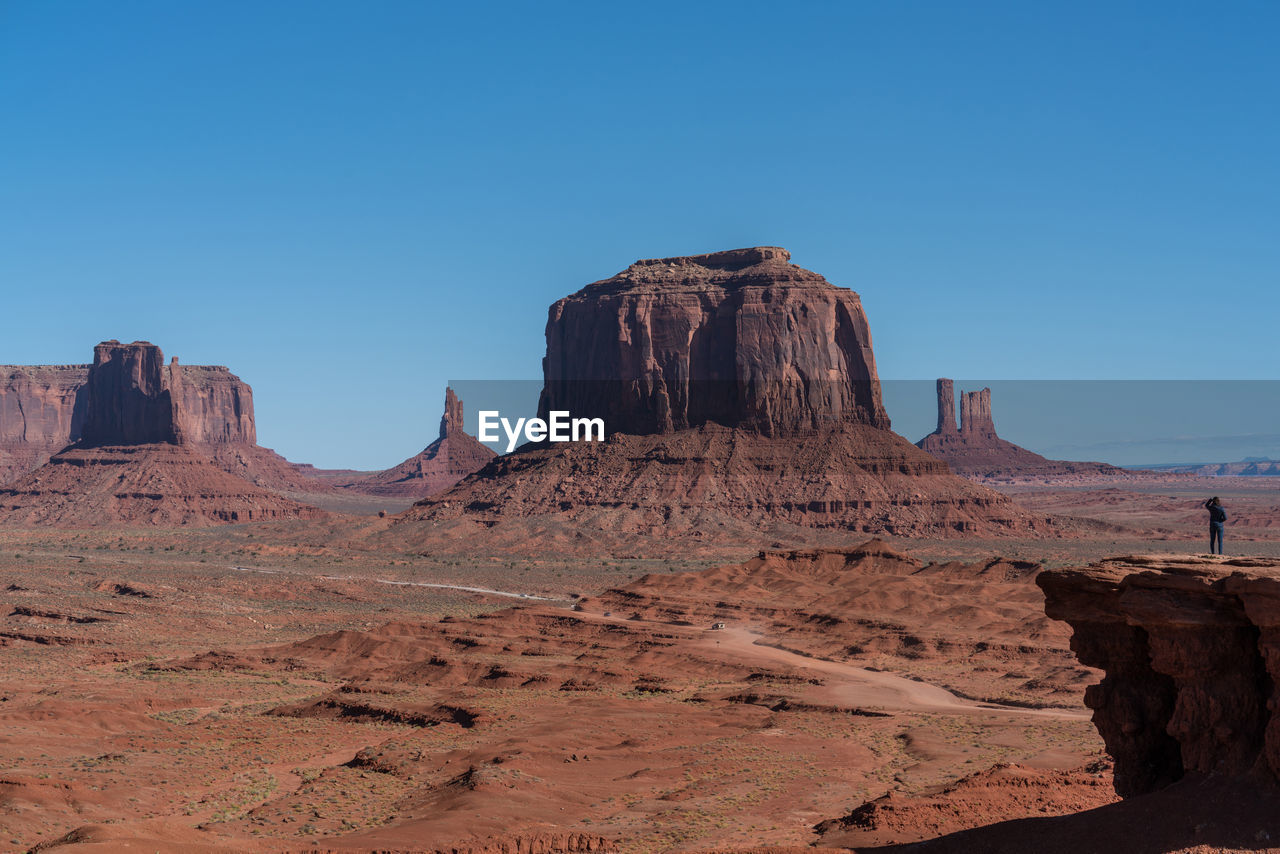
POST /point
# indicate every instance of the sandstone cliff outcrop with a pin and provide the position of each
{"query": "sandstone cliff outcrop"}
(134, 398)
(736, 387)
(740, 338)
(143, 436)
(41, 411)
(451, 457)
(946, 408)
(976, 451)
(44, 408)
(1191, 650)
(975, 414)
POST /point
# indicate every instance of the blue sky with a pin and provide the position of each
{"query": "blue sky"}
(351, 203)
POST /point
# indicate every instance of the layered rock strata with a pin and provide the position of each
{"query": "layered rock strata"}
(741, 338)
(975, 450)
(45, 408)
(155, 484)
(1191, 651)
(140, 457)
(42, 411)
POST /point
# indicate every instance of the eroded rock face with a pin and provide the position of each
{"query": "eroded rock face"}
(975, 450)
(975, 413)
(451, 420)
(946, 408)
(1191, 649)
(131, 440)
(217, 406)
(741, 338)
(737, 389)
(131, 400)
(41, 408)
(45, 408)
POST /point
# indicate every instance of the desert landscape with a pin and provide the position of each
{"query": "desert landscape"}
(754, 618)
(458, 428)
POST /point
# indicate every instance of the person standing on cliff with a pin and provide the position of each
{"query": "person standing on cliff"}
(1217, 516)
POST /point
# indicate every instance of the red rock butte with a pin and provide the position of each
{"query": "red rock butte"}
(975, 449)
(146, 452)
(44, 408)
(741, 338)
(738, 390)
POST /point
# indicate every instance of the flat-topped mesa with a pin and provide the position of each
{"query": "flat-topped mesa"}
(741, 338)
(217, 406)
(45, 407)
(1191, 651)
(132, 397)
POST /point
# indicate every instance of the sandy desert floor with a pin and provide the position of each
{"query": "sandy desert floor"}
(260, 688)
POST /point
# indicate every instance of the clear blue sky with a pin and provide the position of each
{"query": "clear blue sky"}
(351, 203)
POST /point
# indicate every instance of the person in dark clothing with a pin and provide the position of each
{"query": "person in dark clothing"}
(1216, 517)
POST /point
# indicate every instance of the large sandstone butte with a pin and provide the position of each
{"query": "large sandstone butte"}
(140, 457)
(1191, 650)
(975, 450)
(738, 390)
(741, 338)
(45, 408)
(451, 457)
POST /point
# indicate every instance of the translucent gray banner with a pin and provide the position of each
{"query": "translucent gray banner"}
(1122, 422)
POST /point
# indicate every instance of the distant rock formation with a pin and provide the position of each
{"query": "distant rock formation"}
(1191, 650)
(1248, 467)
(451, 457)
(736, 387)
(740, 338)
(976, 451)
(146, 447)
(975, 414)
(44, 408)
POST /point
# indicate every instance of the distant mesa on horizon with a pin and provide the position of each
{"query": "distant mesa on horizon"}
(149, 445)
(130, 397)
(1248, 467)
(135, 399)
